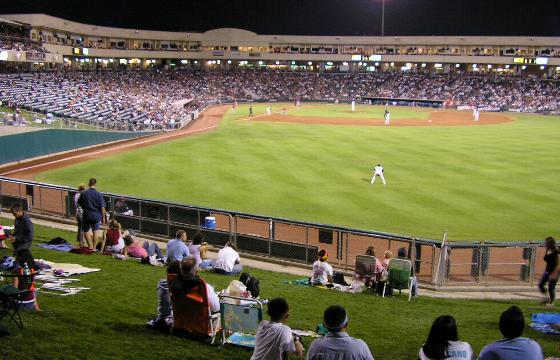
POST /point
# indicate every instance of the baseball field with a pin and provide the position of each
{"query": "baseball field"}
(492, 180)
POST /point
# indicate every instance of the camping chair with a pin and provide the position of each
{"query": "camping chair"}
(191, 312)
(240, 319)
(399, 276)
(11, 297)
(366, 270)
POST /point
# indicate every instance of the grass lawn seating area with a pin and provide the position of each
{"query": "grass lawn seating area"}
(492, 180)
(108, 320)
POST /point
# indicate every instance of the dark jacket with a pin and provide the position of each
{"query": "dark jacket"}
(23, 232)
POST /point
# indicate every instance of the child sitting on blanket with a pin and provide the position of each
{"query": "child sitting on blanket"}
(322, 271)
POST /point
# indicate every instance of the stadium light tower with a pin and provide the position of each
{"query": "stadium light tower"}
(382, 17)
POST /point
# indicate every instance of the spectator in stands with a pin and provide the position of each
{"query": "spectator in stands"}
(274, 339)
(133, 249)
(337, 344)
(402, 254)
(177, 248)
(198, 249)
(187, 278)
(122, 208)
(387, 256)
(228, 261)
(443, 342)
(513, 346)
(322, 270)
(370, 251)
(551, 273)
(79, 215)
(115, 237)
(93, 204)
(23, 234)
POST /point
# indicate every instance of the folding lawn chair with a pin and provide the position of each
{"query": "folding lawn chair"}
(240, 320)
(399, 276)
(12, 297)
(366, 269)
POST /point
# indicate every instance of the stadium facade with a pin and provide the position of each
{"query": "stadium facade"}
(86, 46)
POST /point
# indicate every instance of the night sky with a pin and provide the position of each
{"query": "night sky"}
(311, 17)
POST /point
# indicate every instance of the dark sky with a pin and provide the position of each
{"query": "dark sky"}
(311, 17)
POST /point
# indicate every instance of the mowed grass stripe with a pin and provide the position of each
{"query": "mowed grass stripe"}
(494, 182)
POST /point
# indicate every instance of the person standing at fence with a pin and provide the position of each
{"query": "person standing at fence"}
(93, 204)
(79, 215)
(551, 273)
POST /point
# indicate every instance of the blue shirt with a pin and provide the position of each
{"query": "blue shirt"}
(339, 346)
(92, 202)
(515, 349)
(177, 250)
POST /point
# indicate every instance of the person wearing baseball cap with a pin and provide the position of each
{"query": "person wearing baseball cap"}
(337, 344)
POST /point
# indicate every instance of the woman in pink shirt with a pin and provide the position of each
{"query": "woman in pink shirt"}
(133, 249)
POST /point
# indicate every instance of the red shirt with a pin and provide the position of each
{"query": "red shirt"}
(113, 236)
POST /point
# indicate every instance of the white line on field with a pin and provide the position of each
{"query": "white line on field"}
(110, 149)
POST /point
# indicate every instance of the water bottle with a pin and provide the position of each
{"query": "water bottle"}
(26, 270)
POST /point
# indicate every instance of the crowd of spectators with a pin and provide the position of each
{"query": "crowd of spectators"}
(158, 99)
(19, 44)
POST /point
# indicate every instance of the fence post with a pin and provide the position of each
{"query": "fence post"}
(346, 254)
(433, 279)
(533, 260)
(168, 221)
(306, 244)
(235, 232)
(270, 234)
(140, 216)
(413, 255)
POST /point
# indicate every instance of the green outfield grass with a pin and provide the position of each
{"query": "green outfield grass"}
(108, 321)
(494, 182)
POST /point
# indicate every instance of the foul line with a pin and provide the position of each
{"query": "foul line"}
(110, 149)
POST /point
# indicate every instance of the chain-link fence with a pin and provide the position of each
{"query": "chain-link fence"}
(435, 263)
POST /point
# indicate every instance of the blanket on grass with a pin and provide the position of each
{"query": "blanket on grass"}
(546, 323)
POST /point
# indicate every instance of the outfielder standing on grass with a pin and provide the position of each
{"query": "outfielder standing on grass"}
(378, 171)
(387, 117)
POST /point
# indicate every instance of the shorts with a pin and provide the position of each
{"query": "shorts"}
(93, 225)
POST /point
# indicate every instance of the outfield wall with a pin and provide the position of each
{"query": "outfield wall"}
(435, 263)
(34, 144)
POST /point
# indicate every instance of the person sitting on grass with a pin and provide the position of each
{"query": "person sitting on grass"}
(274, 339)
(177, 248)
(337, 344)
(115, 241)
(198, 249)
(187, 278)
(443, 342)
(322, 271)
(513, 346)
(133, 249)
(228, 261)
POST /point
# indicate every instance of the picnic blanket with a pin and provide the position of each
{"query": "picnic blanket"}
(61, 247)
(542, 322)
(354, 288)
(69, 269)
(52, 284)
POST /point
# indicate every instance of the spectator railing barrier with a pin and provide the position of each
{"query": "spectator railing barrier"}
(435, 263)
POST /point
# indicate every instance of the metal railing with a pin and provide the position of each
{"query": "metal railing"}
(450, 264)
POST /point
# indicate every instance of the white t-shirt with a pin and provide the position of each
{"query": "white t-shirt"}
(226, 259)
(321, 271)
(457, 350)
(378, 170)
(272, 340)
(213, 299)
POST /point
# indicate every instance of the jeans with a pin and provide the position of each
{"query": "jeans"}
(237, 268)
(551, 285)
(206, 264)
(163, 300)
(152, 249)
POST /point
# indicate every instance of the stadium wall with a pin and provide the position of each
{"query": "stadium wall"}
(29, 145)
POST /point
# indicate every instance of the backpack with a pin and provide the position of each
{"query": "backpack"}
(252, 283)
(338, 278)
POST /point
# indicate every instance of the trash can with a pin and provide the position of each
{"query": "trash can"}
(210, 222)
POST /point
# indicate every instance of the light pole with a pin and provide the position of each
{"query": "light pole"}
(382, 17)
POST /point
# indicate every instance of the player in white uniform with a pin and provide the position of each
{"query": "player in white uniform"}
(387, 117)
(378, 171)
(269, 111)
(476, 114)
(353, 105)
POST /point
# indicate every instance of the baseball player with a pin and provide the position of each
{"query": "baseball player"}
(378, 171)
(269, 111)
(476, 114)
(234, 105)
(387, 117)
(251, 110)
(353, 105)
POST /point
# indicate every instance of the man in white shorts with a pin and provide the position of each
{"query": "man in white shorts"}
(353, 105)
(476, 114)
(378, 171)
(387, 117)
